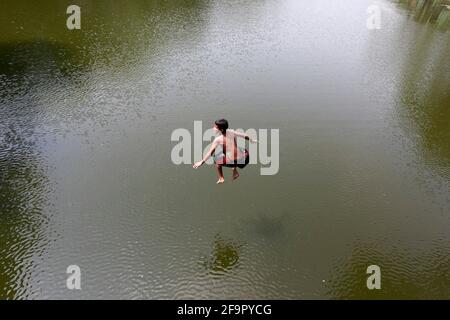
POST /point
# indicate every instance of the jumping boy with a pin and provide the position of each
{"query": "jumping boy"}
(230, 156)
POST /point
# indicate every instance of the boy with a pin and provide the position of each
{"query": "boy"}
(230, 156)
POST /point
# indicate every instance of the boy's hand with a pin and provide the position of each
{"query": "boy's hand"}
(197, 164)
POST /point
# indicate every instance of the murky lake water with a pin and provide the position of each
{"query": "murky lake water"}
(86, 176)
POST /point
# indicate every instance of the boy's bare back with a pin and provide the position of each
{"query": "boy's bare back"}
(229, 140)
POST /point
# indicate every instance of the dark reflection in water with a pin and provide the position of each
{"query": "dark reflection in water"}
(24, 66)
(403, 276)
(425, 99)
(225, 256)
(113, 34)
(429, 11)
(267, 225)
(24, 186)
(23, 224)
(38, 54)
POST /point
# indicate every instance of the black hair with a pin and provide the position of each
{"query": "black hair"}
(222, 125)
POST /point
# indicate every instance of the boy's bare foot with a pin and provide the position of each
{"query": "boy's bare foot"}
(221, 180)
(235, 175)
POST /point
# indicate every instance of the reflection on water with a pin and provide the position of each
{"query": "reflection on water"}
(118, 42)
(224, 257)
(429, 11)
(24, 232)
(425, 98)
(25, 218)
(267, 225)
(424, 94)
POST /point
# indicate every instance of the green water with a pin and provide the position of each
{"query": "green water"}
(86, 176)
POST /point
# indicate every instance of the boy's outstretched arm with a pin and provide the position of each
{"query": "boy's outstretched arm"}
(243, 135)
(207, 155)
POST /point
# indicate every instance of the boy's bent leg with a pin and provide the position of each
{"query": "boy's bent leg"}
(235, 173)
(219, 173)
